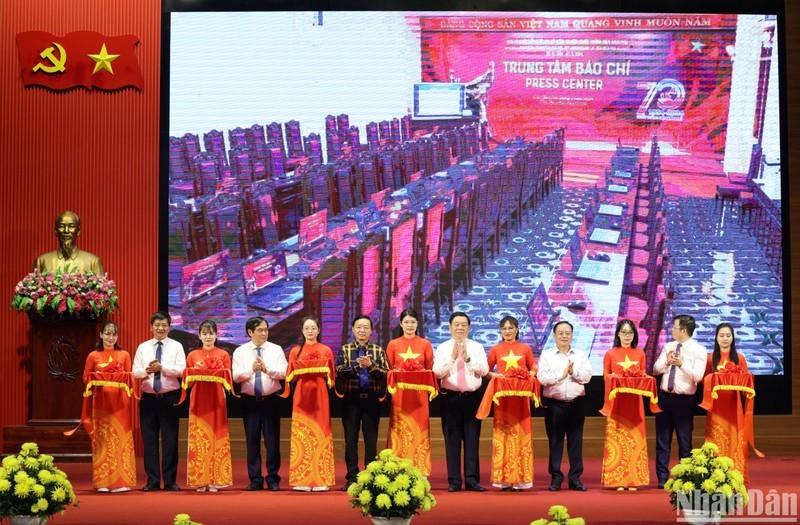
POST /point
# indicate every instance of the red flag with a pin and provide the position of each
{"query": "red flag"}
(80, 58)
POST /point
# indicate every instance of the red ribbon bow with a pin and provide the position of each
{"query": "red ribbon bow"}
(210, 363)
(310, 355)
(114, 367)
(517, 373)
(410, 365)
(633, 371)
(732, 368)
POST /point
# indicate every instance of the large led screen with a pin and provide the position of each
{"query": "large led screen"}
(549, 166)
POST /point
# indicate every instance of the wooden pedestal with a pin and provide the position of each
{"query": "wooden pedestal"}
(58, 354)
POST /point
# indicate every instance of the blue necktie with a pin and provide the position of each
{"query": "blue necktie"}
(157, 375)
(257, 389)
(363, 374)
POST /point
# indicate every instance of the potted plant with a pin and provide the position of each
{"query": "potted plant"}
(706, 486)
(66, 294)
(31, 488)
(391, 490)
(558, 516)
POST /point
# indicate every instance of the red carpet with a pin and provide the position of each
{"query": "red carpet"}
(235, 506)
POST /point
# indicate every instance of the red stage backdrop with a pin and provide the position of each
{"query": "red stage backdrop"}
(93, 152)
(640, 74)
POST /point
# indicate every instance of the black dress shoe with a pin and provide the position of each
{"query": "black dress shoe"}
(274, 487)
(346, 486)
(454, 488)
(150, 487)
(172, 487)
(477, 487)
(577, 486)
(506, 489)
(554, 487)
(254, 486)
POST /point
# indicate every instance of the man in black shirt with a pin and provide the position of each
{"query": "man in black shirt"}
(361, 369)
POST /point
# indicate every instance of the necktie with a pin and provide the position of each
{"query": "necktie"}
(257, 389)
(363, 374)
(157, 375)
(461, 371)
(671, 378)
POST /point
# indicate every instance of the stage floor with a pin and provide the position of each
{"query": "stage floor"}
(493, 507)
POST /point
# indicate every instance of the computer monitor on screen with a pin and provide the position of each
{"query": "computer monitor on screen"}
(313, 228)
(541, 316)
(439, 100)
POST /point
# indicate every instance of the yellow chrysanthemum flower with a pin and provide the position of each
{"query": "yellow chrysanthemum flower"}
(22, 490)
(710, 448)
(21, 476)
(558, 512)
(575, 521)
(31, 463)
(736, 476)
(687, 487)
(386, 454)
(678, 470)
(381, 481)
(58, 495)
(375, 466)
(676, 486)
(402, 498)
(402, 481)
(390, 466)
(5, 485)
(668, 484)
(709, 485)
(417, 490)
(38, 490)
(426, 505)
(363, 477)
(540, 521)
(365, 497)
(29, 449)
(718, 475)
(43, 504)
(383, 501)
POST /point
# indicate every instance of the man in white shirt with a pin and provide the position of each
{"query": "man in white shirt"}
(562, 372)
(682, 363)
(160, 362)
(460, 363)
(259, 366)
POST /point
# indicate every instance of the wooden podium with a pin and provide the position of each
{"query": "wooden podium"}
(58, 351)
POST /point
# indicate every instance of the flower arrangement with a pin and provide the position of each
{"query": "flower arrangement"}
(558, 516)
(67, 293)
(184, 519)
(706, 481)
(391, 487)
(31, 485)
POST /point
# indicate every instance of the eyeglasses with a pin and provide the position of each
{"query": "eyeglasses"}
(108, 334)
(625, 332)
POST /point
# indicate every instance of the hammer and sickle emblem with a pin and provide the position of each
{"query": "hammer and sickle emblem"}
(58, 63)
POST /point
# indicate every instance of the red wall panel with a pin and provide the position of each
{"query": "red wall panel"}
(92, 152)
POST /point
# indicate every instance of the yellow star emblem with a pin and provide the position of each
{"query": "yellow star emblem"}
(103, 60)
(512, 361)
(110, 360)
(409, 354)
(627, 363)
(722, 365)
